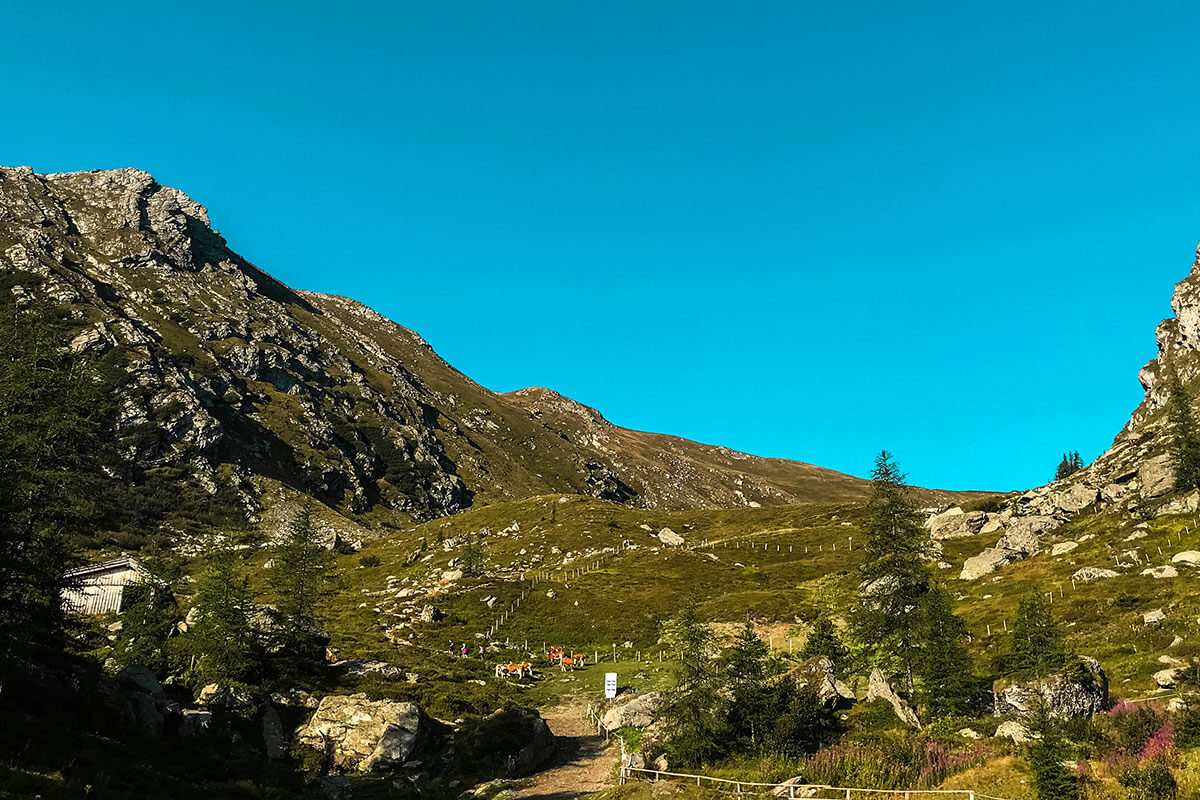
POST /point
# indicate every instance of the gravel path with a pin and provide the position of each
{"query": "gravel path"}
(582, 764)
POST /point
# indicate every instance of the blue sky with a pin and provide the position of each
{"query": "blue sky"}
(808, 230)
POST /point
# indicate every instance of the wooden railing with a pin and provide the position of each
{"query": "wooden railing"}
(804, 790)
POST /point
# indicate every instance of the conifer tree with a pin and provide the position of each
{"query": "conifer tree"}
(945, 667)
(472, 559)
(1047, 754)
(1071, 463)
(823, 640)
(55, 408)
(894, 577)
(302, 576)
(224, 640)
(1037, 646)
(1185, 434)
(693, 713)
(747, 666)
(150, 612)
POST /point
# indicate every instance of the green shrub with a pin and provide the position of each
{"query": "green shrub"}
(369, 561)
(1150, 781)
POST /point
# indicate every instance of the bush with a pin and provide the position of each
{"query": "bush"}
(1135, 727)
(369, 561)
(1150, 781)
(1187, 727)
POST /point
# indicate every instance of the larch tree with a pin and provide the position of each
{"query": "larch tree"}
(747, 665)
(894, 578)
(1037, 647)
(55, 410)
(693, 713)
(302, 577)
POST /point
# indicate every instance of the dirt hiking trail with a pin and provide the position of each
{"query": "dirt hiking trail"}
(582, 764)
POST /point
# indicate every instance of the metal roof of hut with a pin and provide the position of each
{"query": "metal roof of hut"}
(100, 588)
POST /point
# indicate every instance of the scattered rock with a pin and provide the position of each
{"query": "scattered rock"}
(1191, 557)
(970, 733)
(225, 698)
(819, 674)
(670, 537)
(1093, 573)
(194, 723)
(1011, 729)
(879, 689)
(1154, 617)
(795, 787)
(431, 614)
(274, 744)
(1165, 571)
(1062, 548)
(1167, 678)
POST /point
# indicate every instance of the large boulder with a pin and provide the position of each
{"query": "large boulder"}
(536, 740)
(879, 689)
(1157, 476)
(141, 679)
(987, 562)
(1080, 691)
(819, 675)
(1022, 540)
(1075, 498)
(1011, 729)
(638, 711)
(371, 735)
(147, 702)
(225, 698)
(956, 524)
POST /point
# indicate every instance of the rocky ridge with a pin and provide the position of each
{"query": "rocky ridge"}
(1134, 476)
(249, 383)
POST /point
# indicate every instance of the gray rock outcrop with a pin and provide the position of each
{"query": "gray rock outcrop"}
(878, 688)
(370, 735)
(1078, 692)
(638, 711)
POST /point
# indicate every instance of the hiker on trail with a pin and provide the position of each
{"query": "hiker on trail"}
(464, 649)
(481, 651)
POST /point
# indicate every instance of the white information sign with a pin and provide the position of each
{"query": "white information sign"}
(610, 685)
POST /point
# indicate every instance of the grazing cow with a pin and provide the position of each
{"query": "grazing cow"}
(522, 670)
(570, 662)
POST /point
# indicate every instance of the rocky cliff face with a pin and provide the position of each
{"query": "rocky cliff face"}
(1134, 473)
(248, 382)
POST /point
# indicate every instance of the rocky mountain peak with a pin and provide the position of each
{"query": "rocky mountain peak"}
(244, 381)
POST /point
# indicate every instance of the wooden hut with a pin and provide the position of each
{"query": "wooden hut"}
(100, 588)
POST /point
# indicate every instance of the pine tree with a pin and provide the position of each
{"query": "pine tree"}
(1185, 434)
(746, 665)
(223, 638)
(55, 409)
(472, 559)
(1070, 464)
(301, 577)
(1037, 647)
(946, 673)
(1052, 779)
(799, 723)
(693, 713)
(823, 640)
(150, 612)
(894, 576)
